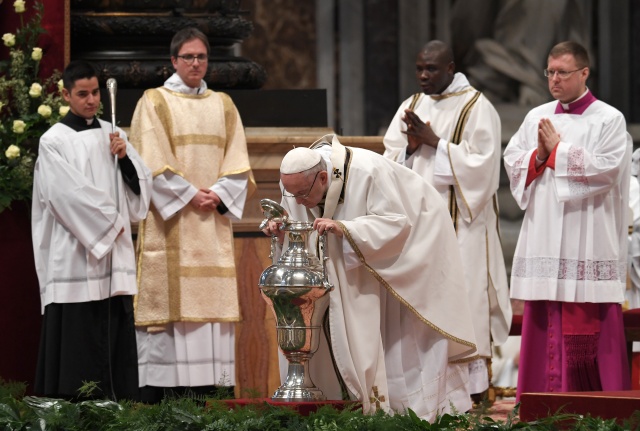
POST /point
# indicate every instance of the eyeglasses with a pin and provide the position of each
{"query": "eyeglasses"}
(306, 195)
(562, 74)
(190, 58)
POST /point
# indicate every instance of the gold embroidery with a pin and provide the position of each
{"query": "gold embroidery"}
(455, 140)
(204, 95)
(183, 140)
(386, 285)
(166, 168)
(172, 235)
(496, 210)
(162, 322)
(465, 360)
(376, 399)
(164, 114)
(336, 173)
(207, 271)
(446, 96)
(229, 116)
(414, 101)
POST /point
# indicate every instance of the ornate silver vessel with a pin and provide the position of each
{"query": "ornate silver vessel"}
(296, 289)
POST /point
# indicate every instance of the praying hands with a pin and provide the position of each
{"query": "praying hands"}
(418, 132)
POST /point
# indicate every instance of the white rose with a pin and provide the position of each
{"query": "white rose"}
(45, 111)
(36, 55)
(12, 152)
(60, 85)
(63, 110)
(19, 5)
(35, 90)
(18, 126)
(9, 39)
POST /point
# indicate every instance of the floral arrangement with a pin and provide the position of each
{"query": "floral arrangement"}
(29, 105)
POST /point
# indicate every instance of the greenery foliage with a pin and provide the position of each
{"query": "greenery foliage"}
(19, 412)
(29, 105)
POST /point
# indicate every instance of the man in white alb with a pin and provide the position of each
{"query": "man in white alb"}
(83, 205)
(450, 135)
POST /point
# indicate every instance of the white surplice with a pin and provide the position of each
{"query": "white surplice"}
(190, 353)
(632, 294)
(398, 315)
(576, 250)
(472, 167)
(80, 253)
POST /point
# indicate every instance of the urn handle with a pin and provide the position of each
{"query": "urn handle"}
(323, 249)
(273, 211)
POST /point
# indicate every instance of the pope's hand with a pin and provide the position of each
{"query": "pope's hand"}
(328, 225)
(273, 229)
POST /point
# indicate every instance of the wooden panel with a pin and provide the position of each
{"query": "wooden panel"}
(257, 373)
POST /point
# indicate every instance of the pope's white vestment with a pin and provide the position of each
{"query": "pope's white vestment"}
(81, 223)
(466, 160)
(398, 315)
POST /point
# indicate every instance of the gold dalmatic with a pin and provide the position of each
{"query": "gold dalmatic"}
(186, 268)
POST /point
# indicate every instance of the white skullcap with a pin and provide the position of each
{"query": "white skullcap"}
(299, 160)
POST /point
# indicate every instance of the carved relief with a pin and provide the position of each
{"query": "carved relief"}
(129, 40)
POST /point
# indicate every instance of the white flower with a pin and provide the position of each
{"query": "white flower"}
(35, 90)
(9, 39)
(45, 111)
(19, 5)
(18, 126)
(63, 110)
(13, 152)
(60, 85)
(36, 55)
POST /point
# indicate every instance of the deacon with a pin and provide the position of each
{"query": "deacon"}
(83, 205)
(569, 167)
(193, 141)
(450, 134)
(398, 316)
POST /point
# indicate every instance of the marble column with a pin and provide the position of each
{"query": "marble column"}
(613, 54)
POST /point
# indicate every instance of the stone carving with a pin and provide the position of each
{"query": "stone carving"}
(129, 40)
(503, 45)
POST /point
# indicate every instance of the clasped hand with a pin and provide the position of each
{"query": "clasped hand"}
(418, 132)
(548, 138)
(205, 200)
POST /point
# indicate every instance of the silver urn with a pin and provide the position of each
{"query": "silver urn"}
(296, 289)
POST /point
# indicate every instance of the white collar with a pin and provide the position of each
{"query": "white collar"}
(459, 83)
(175, 83)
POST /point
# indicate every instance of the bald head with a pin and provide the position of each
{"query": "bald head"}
(439, 48)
